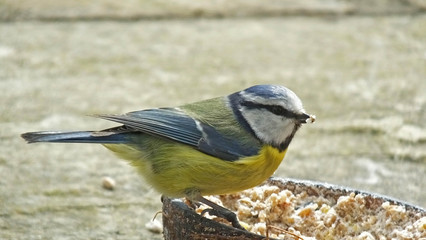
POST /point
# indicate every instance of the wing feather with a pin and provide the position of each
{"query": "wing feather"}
(164, 122)
(174, 124)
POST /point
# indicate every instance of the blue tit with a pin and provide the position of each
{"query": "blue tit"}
(215, 146)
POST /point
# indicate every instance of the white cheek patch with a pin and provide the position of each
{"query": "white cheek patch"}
(267, 126)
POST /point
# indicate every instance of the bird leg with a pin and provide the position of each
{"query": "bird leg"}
(220, 211)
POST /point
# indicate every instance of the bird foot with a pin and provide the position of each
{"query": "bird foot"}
(228, 215)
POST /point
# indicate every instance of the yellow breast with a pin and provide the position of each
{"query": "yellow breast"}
(176, 169)
(254, 170)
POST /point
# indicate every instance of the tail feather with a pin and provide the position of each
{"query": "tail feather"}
(76, 137)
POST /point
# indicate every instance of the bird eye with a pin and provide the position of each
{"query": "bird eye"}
(278, 110)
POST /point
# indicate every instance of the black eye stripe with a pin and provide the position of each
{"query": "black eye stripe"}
(275, 109)
(278, 110)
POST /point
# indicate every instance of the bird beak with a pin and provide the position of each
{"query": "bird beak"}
(306, 118)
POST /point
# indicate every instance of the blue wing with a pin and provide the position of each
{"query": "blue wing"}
(175, 125)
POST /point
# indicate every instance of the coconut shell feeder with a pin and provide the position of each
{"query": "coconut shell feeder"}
(182, 222)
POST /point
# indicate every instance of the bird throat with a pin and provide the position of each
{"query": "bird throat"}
(284, 145)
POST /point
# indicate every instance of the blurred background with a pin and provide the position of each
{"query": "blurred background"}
(358, 65)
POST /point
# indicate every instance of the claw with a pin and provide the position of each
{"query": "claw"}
(221, 212)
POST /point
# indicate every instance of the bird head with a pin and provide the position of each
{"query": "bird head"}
(272, 113)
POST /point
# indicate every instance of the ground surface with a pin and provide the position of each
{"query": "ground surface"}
(363, 75)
